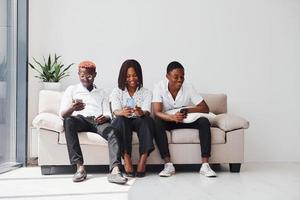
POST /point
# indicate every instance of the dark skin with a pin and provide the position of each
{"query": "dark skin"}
(176, 79)
(86, 77)
(132, 85)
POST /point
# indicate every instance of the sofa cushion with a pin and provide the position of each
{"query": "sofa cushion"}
(187, 136)
(48, 121)
(228, 122)
(95, 139)
(89, 138)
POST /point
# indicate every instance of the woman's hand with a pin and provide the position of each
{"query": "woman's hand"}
(127, 112)
(138, 111)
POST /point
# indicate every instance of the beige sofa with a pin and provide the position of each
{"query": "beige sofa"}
(227, 138)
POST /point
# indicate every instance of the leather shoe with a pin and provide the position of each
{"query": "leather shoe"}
(79, 176)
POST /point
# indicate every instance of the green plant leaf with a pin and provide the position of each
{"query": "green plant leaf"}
(68, 67)
(39, 64)
(49, 62)
(52, 70)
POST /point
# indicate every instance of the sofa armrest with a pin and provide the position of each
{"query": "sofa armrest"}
(48, 121)
(228, 122)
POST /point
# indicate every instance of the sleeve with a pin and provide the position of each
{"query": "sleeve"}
(157, 96)
(105, 105)
(147, 99)
(115, 100)
(196, 98)
(66, 100)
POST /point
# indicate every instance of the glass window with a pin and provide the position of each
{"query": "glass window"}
(8, 33)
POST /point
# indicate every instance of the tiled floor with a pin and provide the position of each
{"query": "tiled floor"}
(256, 181)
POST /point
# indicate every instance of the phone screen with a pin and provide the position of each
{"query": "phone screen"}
(130, 103)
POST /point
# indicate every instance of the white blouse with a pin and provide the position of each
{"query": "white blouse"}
(141, 98)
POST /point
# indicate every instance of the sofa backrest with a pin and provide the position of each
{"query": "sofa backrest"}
(217, 103)
(49, 101)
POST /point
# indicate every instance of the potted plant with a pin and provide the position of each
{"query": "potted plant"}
(51, 71)
(3, 71)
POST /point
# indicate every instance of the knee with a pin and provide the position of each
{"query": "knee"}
(203, 121)
(68, 121)
(142, 121)
(149, 119)
(120, 120)
(158, 121)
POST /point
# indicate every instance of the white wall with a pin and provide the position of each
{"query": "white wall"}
(248, 49)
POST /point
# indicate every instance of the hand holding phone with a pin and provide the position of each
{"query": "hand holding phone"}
(131, 105)
(78, 105)
(184, 111)
(77, 101)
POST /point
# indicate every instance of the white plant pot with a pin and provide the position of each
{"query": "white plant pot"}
(2, 89)
(52, 86)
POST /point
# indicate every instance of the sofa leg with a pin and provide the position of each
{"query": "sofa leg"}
(235, 167)
(46, 170)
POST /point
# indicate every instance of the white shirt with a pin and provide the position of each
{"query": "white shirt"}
(142, 98)
(186, 96)
(96, 101)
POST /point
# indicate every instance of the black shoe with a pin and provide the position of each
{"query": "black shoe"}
(117, 178)
(130, 174)
(79, 176)
(140, 174)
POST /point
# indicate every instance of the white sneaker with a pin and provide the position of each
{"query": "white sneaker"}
(207, 171)
(168, 171)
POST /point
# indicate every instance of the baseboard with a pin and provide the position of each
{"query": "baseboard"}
(69, 169)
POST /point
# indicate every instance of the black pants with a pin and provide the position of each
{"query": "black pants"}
(202, 124)
(144, 126)
(79, 123)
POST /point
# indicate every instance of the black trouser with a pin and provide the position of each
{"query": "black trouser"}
(202, 124)
(79, 123)
(144, 126)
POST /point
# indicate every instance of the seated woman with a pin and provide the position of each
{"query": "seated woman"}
(131, 104)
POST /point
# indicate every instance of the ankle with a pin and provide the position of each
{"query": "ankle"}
(128, 167)
(141, 167)
(80, 167)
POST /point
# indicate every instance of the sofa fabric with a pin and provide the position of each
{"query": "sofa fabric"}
(227, 137)
(228, 122)
(48, 121)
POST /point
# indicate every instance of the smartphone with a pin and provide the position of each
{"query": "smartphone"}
(130, 103)
(77, 101)
(183, 111)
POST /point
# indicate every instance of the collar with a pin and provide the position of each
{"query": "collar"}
(166, 88)
(84, 88)
(126, 91)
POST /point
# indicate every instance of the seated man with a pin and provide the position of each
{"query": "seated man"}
(171, 94)
(85, 107)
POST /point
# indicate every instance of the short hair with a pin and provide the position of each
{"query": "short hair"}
(174, 65)
(87, 65)
(123, 73)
